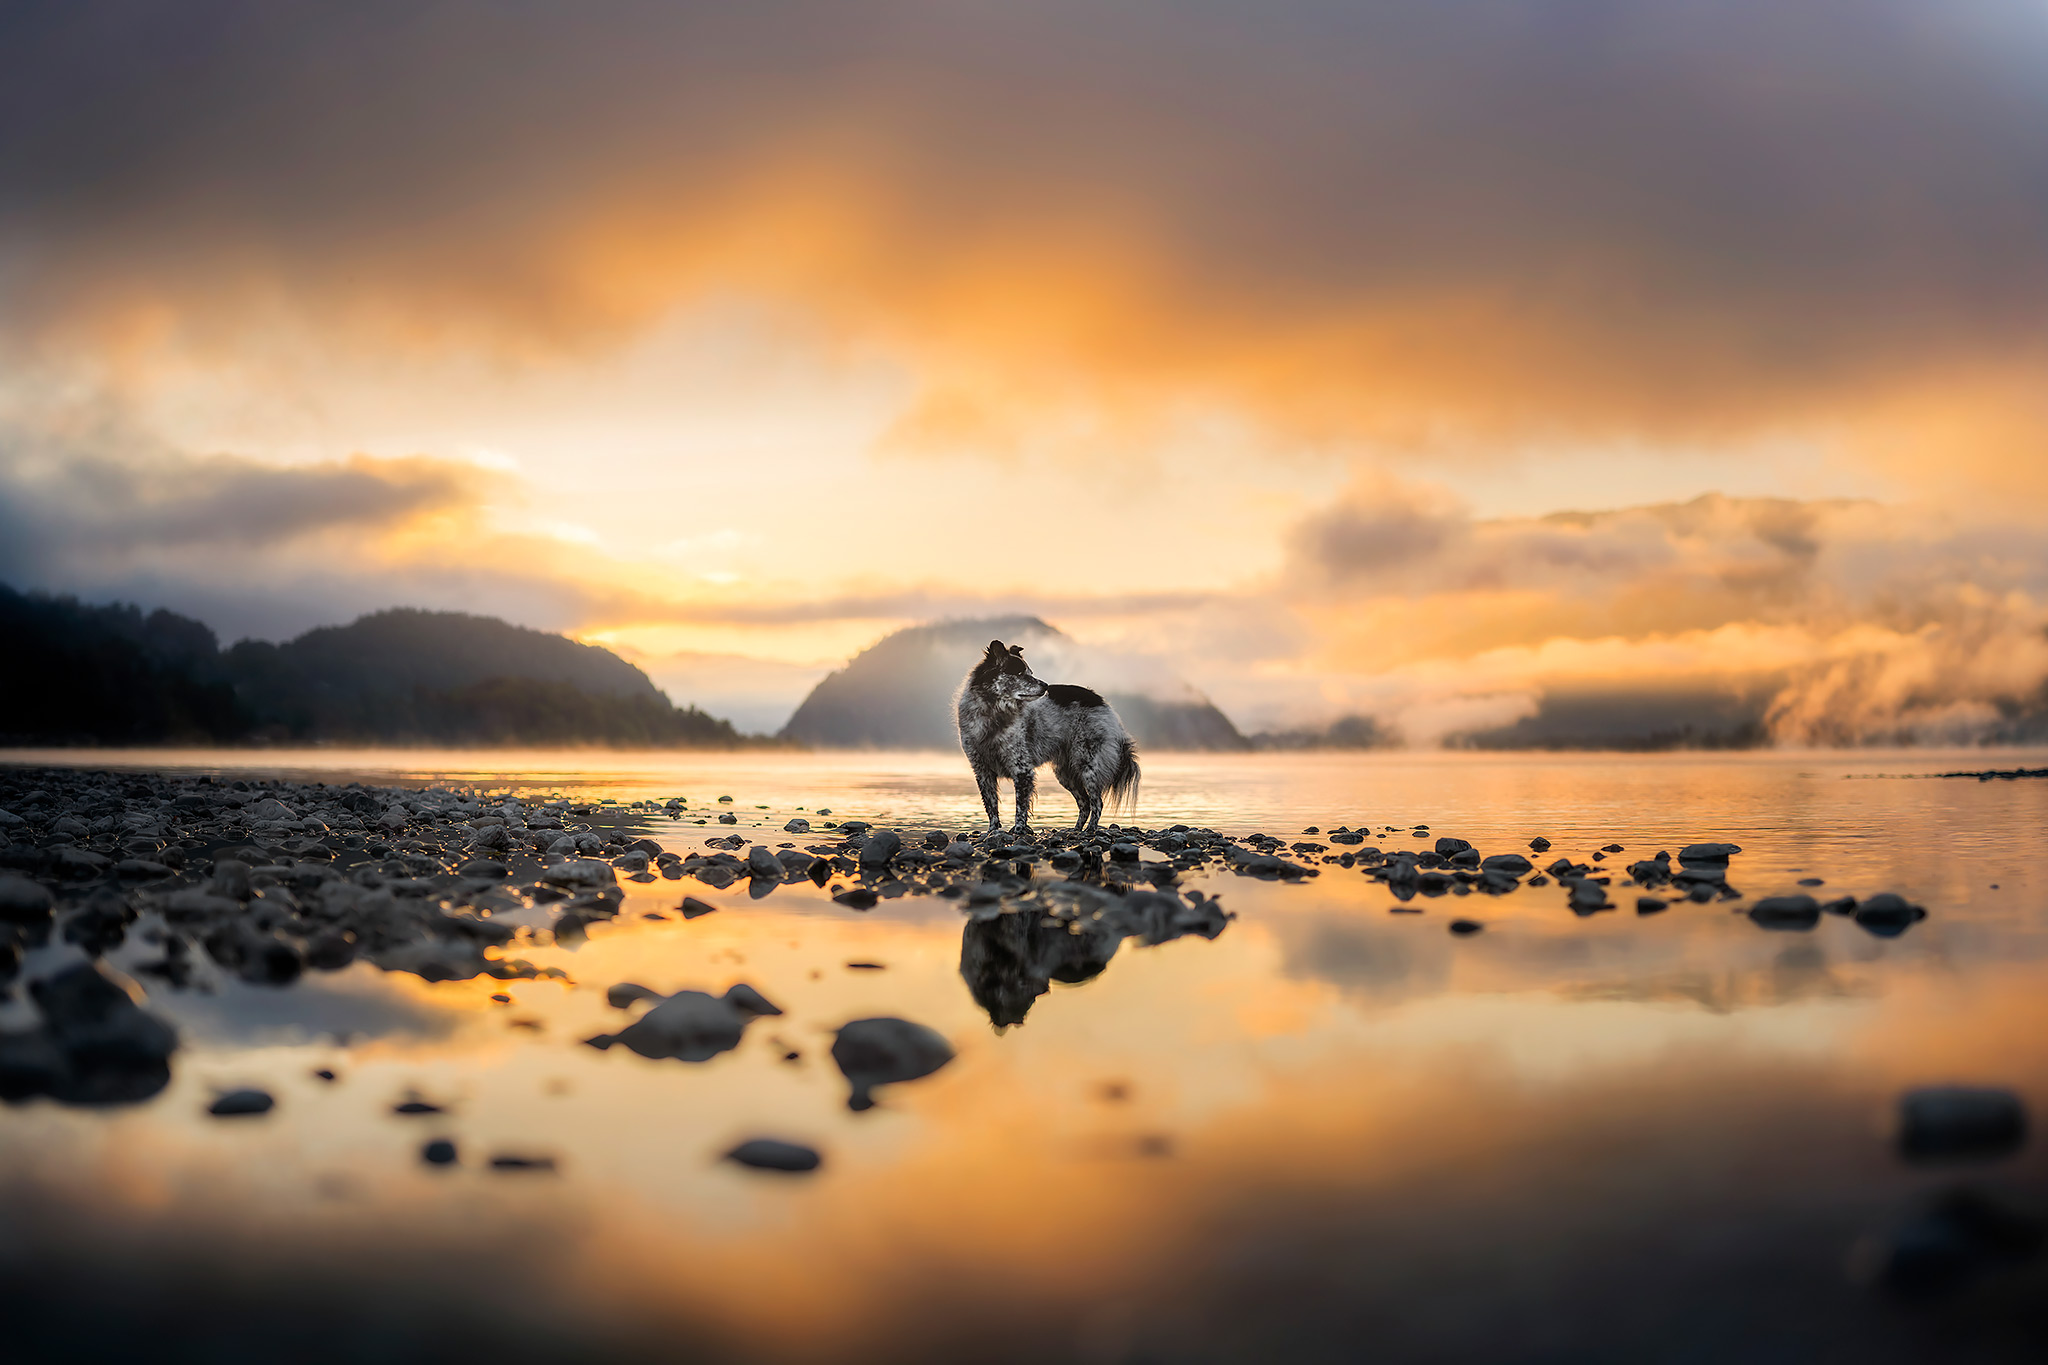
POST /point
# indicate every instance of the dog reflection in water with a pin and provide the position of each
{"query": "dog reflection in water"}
(1010, 958)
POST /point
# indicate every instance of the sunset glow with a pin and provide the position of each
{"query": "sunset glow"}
(1660, 347)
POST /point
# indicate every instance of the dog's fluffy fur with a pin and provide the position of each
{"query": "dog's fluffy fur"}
(1010, 723)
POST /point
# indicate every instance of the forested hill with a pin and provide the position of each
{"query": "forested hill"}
(898, 693)
(79, 674)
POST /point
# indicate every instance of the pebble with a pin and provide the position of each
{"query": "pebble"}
(883, 1051)
(769, 1154)
(241, 1102)
(22, 899)
(512, 1161)
(1954, 1122)
(440, 1152)
(1465, 927)
(1887, 914)
(879, 849)
(1799, 912)
(689, 1026)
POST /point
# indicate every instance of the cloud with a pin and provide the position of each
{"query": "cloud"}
(1411, 220)
(1717, 619)
(93, 506)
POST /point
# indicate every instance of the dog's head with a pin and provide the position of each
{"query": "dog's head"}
(1005, 676)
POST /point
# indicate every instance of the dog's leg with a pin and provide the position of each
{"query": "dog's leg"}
(1023, 782)
(1077, 789)
(985, 778)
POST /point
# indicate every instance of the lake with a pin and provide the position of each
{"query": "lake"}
(1334, 1131)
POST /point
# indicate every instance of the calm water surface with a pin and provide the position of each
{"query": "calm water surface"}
(1331, 1133)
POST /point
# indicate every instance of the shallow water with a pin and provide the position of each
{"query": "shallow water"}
(1331, 1133)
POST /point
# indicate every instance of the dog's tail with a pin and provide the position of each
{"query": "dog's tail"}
(1121, 794)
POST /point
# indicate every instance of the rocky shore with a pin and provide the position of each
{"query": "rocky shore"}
(269, 880)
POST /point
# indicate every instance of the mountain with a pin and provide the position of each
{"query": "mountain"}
(76, 674)
(898, 694)
(111, 675)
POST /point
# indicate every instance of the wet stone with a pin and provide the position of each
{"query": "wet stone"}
(237, 1103)
(1887, 915)
(1786, 912)
(884, 1051)
(440, 1152)
(769, 1154)
(1960, 1123)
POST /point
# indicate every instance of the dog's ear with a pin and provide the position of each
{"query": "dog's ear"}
(1017, 650)
(995, 646)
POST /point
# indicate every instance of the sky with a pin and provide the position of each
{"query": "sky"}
(1405, 358)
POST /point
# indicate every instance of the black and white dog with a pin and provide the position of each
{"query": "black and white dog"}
(1010, 722)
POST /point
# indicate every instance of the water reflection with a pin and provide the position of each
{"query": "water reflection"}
(1566, 1138)
(1008, 961)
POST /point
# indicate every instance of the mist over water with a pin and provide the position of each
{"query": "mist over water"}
(1614, 1136)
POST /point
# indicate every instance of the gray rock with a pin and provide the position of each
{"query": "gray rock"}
(692, 907)
(767, 1154)
(580, 872)
(1466, 927)
(1512, 863)
(1956, 1122)
(238, 1103)
(230, 879)
(1587, 895)
(1887, 914)
(872, 1052)
(1786, 912)
(1708, 853)
(440, 1152)
(491, 839)
(1447, 847)
(762, 862)
(22, 899)
(797, 825)
(691, 1026)
(96, 1015)
(878, 849)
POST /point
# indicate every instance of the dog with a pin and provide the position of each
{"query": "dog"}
(1010, 723)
